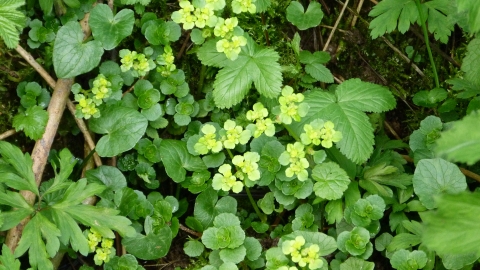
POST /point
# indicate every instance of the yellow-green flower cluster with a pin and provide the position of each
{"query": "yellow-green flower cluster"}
(225, 180)
(295, 157)
(101, 89)
(302, 254)
(185, 15)
(86, 108)
(224, 27)
(234, 135)
(262, 124)
(105, 251)
(290, 107)
(231, 48)
(136, 61)
(247, 165)
(239, 6)
(318, 132)
(208, 142)
(199, 16)
(165, 61)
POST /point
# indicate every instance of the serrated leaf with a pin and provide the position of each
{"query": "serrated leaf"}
(39, 252)
(72, 57)
(7, 260)
(12, 218)
(438, 22)
(461, 142)
(12, 22)
(77, 192)
(177, 160)
(304, 19)
(314, 65)
(149, 247)
(108, 29)
(209, 55)
(20, 171)
(387, 12)
(262, 5)
(15, 200)
(470, 61)
(473, 8)
(331, 181)
(123, 127)
(365, 96)
(71, 234)
(33, 122)
(436, 176)
(254, 65)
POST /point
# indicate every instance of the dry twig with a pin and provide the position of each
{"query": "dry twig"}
(335, 26)
(7, 134)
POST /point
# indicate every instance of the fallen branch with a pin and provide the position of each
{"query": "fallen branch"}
(7, 134)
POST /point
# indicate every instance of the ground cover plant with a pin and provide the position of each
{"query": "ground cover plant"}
(218, 134)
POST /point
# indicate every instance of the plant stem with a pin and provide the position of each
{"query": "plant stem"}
(262, 217)
(290, 131)
(427, 43)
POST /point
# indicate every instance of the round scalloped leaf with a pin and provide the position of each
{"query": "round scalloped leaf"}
(302, 19)
(331, 180)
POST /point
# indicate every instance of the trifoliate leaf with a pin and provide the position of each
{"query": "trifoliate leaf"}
(123, 127)
(434, 177)
(38, 228)
(314, 65)
(331, 181)
(304, 19)
(72, 57)
(12, 22)
(32, 122)
(108, 29)
(177, 160)
(7, 260)
(461, 142)
(254, 65)
(470, 62)
(150, 247)
(451, 229)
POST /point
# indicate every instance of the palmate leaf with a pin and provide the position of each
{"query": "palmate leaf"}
(255, 65)
(19, 173)
(12, 22)
(33, 122)
(346, 110)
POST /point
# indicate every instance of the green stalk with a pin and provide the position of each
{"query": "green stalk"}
(262, 217)
(290, 131)
(427, 43)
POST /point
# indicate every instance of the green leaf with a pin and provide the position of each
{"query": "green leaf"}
(326, 243)
(20, 174)
(37, 228)
(162, 33)
(46, 6)
(438, 20)
(209, 55)
(70, 232)
(473, 8)
(461, 142)
(72, 57)
(426, 135)
(254, 65)
(77, 192)
(207, 207)
(458, 261)
(123, 127)
(14, 199)
(436, 176)
(12, 218)
(430, 98)
(234, 255)
(404, 241)
(314, 64)
(109, 176)
(254, 248)
(149, 247)
(7, 260)
(126, 262)
(344, 109)
(193, 248)
(452, 228)
(12, 22)
(32, 122)
(387, 12)
(406, 260)
(108, 29)
(177, 160)
(331, 181)
(353, 263)
(304, 19)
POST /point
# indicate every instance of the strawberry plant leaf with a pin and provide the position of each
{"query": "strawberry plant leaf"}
(209, 55)
(33, 122)
(123, 127)
(470, 62)
(460, 143)
(254, 65)
(387, 12)
(39, 251)
(304, 19)
(177, 160)
(262, 5)
(7, 260)
(108, 29)
(436, 176)
(364, 96)
(12, 22)
(72, 57)
(314, 65)
(19, 170)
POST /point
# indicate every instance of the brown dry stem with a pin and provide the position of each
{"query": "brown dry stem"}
(7, 134)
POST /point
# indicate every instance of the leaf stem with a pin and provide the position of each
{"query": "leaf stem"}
(290, 131)
(427, 43)
(262, 217)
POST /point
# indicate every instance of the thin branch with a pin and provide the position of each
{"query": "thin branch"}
(335, 26)
(29, 58)
(355, 17)
(7, 134)
(192, 232)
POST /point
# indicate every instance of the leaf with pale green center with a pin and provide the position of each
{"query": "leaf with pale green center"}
(123, 127)
(331, 181)
(177, 160)
(108, 29)
(434, 177)
(461, 142)
(12, 21)
(255, 65)
(408, 260)
(72, 57)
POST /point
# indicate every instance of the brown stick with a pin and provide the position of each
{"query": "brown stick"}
(335, 26)
(7, 134)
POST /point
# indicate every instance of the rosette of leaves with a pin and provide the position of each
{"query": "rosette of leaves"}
(31, 94)
(197, 182)
(305, 219)
(408, 260)
(227, 240)
(39, 34)
(185, 109)
(422, 140)
(356, 242)
(364, 211)
(175, 84)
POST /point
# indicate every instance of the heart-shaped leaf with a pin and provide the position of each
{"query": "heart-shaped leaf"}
(311, 18)
(108, 29)
(123, 127)
(72, 57)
